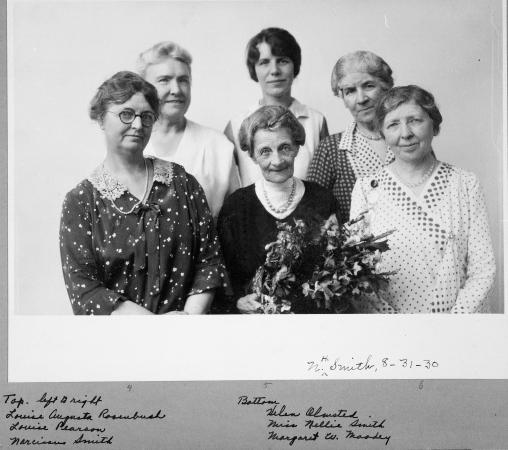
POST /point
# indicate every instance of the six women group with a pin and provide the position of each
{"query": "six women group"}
(178, 213)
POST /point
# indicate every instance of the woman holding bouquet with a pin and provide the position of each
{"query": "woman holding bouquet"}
(271, 137)
(441, 249)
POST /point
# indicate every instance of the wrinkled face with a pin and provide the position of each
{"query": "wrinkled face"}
(131, 137)
(172, 79)
(275, 73)
(360, 92)
(409, 131)
(275, 152)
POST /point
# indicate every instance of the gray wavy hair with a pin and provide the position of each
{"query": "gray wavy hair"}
(159, 53)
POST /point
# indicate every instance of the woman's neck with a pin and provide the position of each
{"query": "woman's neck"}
(284, 100)
(167, 127)
(368, 129)
(414, 169)
(278, 187)
(124, 165)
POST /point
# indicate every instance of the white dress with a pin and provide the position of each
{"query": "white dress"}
(441, 248)
(312, 121)
(206, 154)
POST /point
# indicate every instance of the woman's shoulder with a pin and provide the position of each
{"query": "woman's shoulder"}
(82, 193)
(240, 196)
(332, 141)
(315, 190)
(211, 138)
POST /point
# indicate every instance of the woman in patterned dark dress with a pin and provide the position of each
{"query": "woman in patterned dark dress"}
(441, 249)
(248, 220)
(359, 79)
(136, 236)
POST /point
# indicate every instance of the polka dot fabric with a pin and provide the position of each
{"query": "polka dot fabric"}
(156, 256)
(340, 160)
(441, 249)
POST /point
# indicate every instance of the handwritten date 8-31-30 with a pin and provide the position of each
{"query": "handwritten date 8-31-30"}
(325, 365)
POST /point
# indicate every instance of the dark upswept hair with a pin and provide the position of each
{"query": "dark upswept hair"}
(270, 117)
(281, 42)
(120, 88)
(399, 95)
(364, 61)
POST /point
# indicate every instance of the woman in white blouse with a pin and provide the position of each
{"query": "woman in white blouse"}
(441, 249)
(202, 151)
(273, 60)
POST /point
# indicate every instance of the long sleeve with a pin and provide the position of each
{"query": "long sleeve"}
(86, 291)
(480, 263)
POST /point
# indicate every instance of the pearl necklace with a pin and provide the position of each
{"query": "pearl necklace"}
(139, 201)
(286, 206)
(370, 137)
(424, 177)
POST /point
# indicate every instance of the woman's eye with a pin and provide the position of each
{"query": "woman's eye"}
(262, 62)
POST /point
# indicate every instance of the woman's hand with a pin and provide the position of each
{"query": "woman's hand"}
(127, 307)
(249, 304)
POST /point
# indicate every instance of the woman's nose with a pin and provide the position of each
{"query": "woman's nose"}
(274, 67)
(275, 159)
(136, 123)
(405, 130)
(360, 96)
(174, 87)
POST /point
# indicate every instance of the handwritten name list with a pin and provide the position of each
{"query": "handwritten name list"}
(61, 420)
(316, 423)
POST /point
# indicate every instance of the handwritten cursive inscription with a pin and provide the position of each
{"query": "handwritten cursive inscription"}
(317, 422)
(65, 420)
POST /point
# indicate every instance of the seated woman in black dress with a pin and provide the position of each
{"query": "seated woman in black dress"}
(136, 236)
(247, 222)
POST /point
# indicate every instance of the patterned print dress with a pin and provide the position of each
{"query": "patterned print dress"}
(441, 249)
(155, 254)
(340, 160)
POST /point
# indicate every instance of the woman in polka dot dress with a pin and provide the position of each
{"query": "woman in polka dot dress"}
(359, 78)
(441, 249)
(136, 236)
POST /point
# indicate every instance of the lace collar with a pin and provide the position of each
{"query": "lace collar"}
(112, 189)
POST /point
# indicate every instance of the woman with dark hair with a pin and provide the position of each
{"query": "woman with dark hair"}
(271, 137)
(441, 249)
(273, 61)
(359, 79)
(136, 236)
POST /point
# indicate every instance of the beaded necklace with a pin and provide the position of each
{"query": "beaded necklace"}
(288, 203)
(139, 201)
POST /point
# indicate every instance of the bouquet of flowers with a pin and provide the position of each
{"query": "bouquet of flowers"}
(322, 270)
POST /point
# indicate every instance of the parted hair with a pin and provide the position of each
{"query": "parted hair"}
(399, 95)
(270, 117)
(159, 53)
(120, 88)
(281, 42)
(361, 61)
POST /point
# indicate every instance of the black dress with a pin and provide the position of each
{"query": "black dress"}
(245, 227)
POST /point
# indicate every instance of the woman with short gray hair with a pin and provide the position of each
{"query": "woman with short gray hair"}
(271, 137)
(359, 79)
(203, 152)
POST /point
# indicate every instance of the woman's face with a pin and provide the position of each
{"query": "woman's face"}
(131, 137)
(360, 92)
(275, 73)
(275, 152)
(409, 131)
(172, 79)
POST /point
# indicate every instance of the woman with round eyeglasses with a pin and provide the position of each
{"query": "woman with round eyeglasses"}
(272, 136)
(440, 252)
(273, 60)
(203, 152)
(359, 79)
(136, 236)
